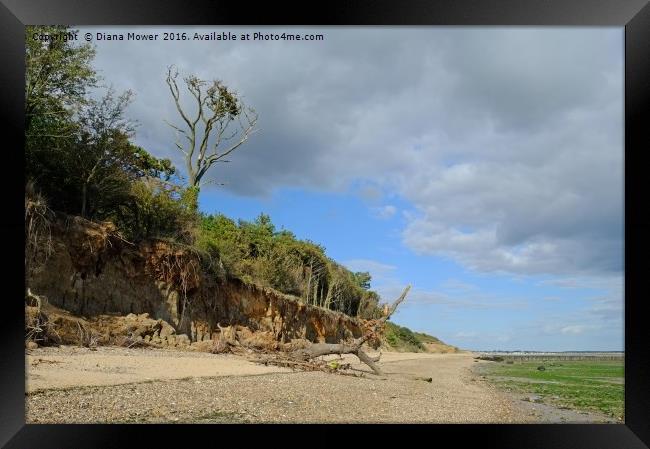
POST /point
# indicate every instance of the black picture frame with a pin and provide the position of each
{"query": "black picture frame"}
(633, 15)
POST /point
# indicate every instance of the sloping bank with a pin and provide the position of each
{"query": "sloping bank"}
(93, 272)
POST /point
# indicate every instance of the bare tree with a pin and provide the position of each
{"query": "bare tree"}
(304, 356)
(355, 347)
(221, 124)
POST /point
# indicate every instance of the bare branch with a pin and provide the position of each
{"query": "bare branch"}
(217, 108)
(397, 302)
(180, 148)
(320, 349)
(173, 88)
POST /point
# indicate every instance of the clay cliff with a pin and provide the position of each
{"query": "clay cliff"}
(94, 272)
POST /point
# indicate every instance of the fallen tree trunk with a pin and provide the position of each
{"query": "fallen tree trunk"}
(355, 347)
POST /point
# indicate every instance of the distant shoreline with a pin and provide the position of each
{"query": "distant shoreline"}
(562, 355)
(548, 352)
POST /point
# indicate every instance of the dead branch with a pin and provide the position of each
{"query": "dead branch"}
(87, 337)
(306, 357)
(320, 349)
(38, 234)
(37, 301)
(311, 365)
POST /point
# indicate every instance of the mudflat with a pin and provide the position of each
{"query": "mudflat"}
(119, 385)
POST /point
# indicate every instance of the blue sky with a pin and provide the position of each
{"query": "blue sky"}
(463, 307)
(483, 166)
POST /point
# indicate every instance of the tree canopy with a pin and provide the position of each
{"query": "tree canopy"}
(58, 76)
(256, 252)
(78, 147)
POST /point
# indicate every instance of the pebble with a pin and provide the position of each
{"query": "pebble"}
(299, 397)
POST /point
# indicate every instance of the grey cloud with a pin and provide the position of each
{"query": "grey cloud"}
(613, 284)
(508, 142)
(523, 78)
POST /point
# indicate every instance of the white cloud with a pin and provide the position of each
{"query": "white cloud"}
(507, 142)
(611, 283)
(371, 266)
(606, 304)
(384, 212)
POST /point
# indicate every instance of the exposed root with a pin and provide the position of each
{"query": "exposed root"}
(132, 341)
(38, 327)
(371, 336)
(38, 234)
(35, 300)
(332, 366)
(306, 357)
(294, 355)
(87, 338)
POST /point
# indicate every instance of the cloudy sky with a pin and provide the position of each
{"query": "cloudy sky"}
(484, 166)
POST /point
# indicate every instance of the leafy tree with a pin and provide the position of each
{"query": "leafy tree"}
(102, 158)
(156, 209)
(256, 252)
(91, 172)
(144, 164)
(58, 76)
(259, 235)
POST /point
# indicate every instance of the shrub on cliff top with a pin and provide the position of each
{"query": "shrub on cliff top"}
(256, 252)
(156, 209)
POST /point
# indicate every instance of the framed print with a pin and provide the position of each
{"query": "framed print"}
(346, 214)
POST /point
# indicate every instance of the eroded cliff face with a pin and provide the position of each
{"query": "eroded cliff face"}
(93, 271)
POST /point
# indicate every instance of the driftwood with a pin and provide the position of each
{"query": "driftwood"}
(355, 347)
(305, 357)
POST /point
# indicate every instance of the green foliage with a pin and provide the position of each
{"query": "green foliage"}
(58, 76)
(79, 152)
(156, 209)
(91, 172)
(99, 159)
(256, 252)
(583, 385)
(369, 307)
(144, 164)
(362, 279)
(403, 338)
(191, 195)
(426, 338)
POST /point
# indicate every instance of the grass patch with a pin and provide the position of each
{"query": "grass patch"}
(402, 338)
(426, 338)
(582, 385)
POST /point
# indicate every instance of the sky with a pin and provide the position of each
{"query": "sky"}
(481, 165)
